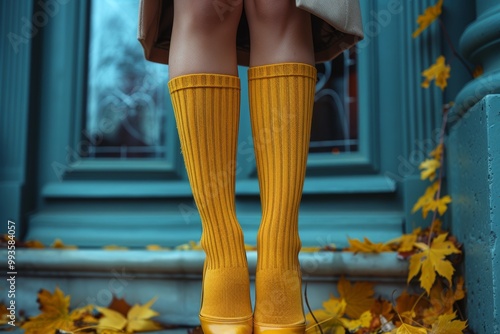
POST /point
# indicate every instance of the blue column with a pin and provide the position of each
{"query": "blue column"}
(18, 28)
(481, 44)
(474, 169)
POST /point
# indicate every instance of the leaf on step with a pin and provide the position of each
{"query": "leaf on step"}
(60, 245)
(119, 305)
(432, 260)
(55, 314)
(138, 318)
(329, 317)
(408, 329)
(367, 246)
(111, 319)
(4, 313)
(114, 248)
(157, 248)
(358, 297)
(446, 324)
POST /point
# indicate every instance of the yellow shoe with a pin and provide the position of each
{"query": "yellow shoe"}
(279, 329)
(227, 326)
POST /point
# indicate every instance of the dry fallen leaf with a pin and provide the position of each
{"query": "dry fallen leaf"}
(447, 325)
(367, 246)
(138, 318)
(358, 297)
(55, 314)
(408, 329)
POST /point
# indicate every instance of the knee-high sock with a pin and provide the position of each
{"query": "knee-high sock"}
(281, 102)
(206, 108)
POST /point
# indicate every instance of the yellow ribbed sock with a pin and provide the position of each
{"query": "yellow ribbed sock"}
(281, 102)
(206, 108)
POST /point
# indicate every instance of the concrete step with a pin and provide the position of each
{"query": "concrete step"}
(95, 276)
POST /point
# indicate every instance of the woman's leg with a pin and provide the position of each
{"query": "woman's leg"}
(203, 39)
(281, 87)
(205, 94)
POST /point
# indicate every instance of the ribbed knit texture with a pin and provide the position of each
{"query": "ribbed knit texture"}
(281, 103)
(206, 108)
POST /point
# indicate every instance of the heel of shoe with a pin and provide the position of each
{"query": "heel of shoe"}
(226, 326)
(279, 329)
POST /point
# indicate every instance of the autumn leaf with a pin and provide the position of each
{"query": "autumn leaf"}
(363, 321)
(114, 248)
(34, 244)
(429, 16)
(367, 246)
(111, 319)
(406, 242)
(329, 317)
(442, 300)
(447, 325)
(428, 168)
(441, 204)
(431, 260)
(439, 72)
(437, 153)
(408, 329)
(4, 314)
(55, 314)
(429, 195)
(156, 248)
(138, 318)
(120, 305)
(358, 297)
(60, 245)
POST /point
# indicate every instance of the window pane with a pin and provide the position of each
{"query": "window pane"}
(127, 95)
(335, 119)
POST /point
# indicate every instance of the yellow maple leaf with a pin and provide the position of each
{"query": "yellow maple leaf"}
(446, 324)
(432, 260)
(442, 300)
(34, 244)
(358, 297)
(441, 204)
(55, 314)
(437, 153)
(156, 248)
(364, 321)
(4, 314)
(439, 71)
(429, 16)
(60, 245)
(111, 319)
(406, 242)
(367, 246)
(408, 329)
(429, 195)
(138, 318)
(114, 248)
(329, 318)
(428, 168)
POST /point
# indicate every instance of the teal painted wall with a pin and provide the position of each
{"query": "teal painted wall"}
(474, 167)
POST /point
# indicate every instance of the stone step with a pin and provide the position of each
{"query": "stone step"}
(95, 276)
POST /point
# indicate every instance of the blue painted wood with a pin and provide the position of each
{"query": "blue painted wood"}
(481, 44)
(474, 169)
(18, 28)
